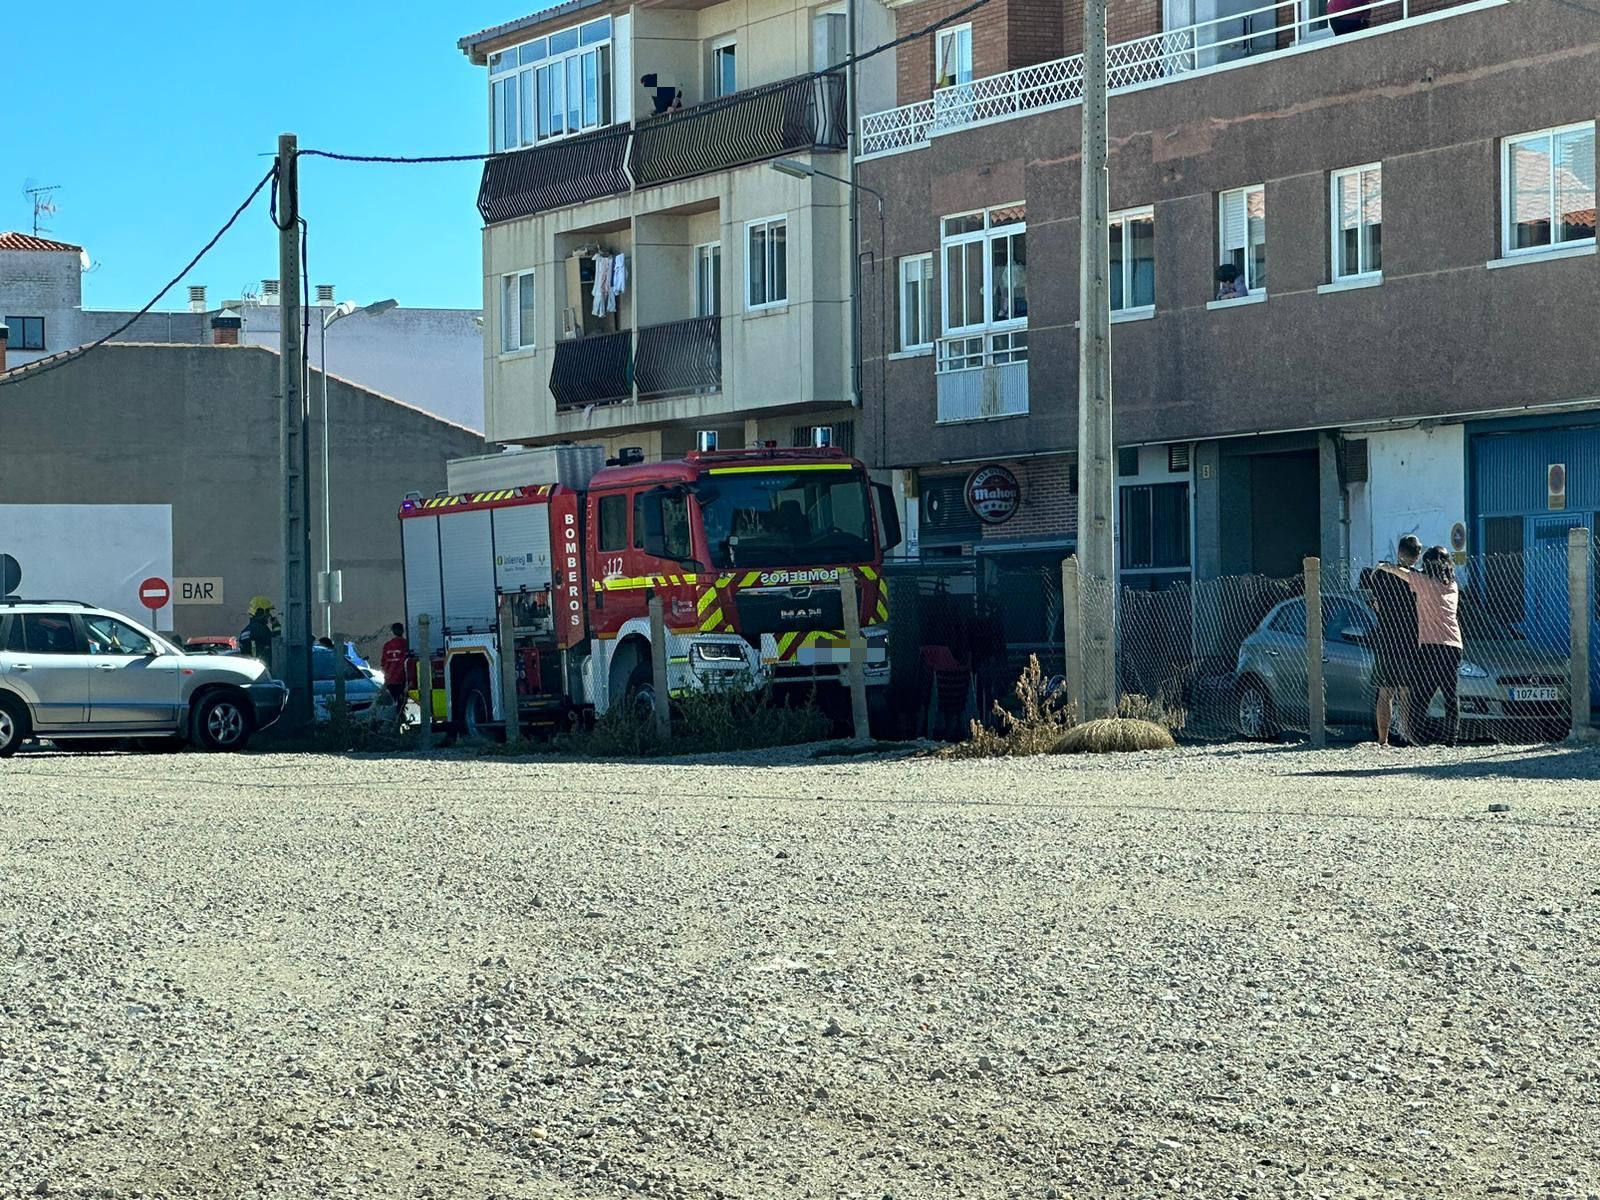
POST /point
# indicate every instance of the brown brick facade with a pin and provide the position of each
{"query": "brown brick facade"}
(1049, 503)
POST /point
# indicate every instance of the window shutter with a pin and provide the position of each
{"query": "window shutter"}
(1233, 221)
(1178, 457)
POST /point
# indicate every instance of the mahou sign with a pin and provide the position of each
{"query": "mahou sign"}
(993, 495)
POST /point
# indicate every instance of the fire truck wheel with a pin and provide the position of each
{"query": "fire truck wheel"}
(475, 706)
(641, 694)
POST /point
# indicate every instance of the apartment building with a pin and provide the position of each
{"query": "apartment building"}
(1353, 281)
(667, 261)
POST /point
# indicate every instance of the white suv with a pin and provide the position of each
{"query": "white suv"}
(74, 673)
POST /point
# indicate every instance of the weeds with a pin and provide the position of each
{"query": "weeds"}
(1115, 735)
(1155, 710)
(1038, 724)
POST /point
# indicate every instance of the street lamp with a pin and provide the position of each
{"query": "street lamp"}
(330, 592)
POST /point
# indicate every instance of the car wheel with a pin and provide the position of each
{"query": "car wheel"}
(14, 727)
(1256, 718)
(223, 722)
(475, 707)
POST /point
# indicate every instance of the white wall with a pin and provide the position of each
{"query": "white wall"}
(1416, 484)
(429, 358)
(41, 283)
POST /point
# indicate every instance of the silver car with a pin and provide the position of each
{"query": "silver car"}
(1509, 689)
(74, 673)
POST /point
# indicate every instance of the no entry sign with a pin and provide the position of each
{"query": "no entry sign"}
(154, 593)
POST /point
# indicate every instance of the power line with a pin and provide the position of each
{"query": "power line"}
(849, 61)
(33, 371)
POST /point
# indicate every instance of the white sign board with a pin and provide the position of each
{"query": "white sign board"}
(97, 553)
(201, 590)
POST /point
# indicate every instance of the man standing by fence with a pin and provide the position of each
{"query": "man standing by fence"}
(1395, 644)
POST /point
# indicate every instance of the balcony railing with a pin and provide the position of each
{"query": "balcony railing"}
(680, 358)
(802, 113)
(597, 369)
(566, 171)
(982, 375)
(1163, 57)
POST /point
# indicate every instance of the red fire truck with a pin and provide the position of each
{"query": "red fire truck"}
(745, 549)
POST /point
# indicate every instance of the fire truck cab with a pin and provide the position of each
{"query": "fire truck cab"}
(745, 549)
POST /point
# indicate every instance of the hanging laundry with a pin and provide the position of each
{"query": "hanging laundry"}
(619, 279)
(602, 283)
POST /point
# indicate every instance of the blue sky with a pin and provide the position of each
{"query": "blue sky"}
(153, 127)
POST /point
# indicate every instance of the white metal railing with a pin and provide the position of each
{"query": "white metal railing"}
(982, 375)
(1170, 55)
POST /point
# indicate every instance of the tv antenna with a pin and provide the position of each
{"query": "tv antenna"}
(44, 204)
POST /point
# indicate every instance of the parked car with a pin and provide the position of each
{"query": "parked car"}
(1509, 689)
(363, 684)
(76, 674)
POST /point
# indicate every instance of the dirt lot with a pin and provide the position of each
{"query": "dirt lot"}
(1208, 973)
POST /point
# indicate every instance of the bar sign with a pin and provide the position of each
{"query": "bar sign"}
(198, 591)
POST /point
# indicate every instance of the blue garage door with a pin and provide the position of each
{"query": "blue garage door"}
(1520, 541)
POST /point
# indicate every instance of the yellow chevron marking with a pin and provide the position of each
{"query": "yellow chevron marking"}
(883, 611)
(869, 573)
(710, 622)
(750, 577)
(707, 599)
(784, 642)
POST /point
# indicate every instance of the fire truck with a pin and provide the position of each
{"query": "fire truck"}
(745, 549)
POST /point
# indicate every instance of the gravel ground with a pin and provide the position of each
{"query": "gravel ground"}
(1204, 973)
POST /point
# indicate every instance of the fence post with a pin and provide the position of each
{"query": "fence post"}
(658, 668)
(856, 668)
(509, 709)
(424, 685)
(1578, 602)
(339, 710)
(1315, 697)
(1072, 632)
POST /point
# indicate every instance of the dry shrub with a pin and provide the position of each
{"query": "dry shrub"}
(1114, 735)
(1155, 710)
(1035, 728)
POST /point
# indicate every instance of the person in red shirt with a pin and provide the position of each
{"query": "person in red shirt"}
(1341, 23)
(396, 653)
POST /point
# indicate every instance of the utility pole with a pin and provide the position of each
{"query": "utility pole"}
(1096, 474)
(294, 451)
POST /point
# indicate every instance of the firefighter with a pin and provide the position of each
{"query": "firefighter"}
(257, 637)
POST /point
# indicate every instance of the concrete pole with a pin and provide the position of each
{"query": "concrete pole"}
(1096, 469)
(658, 669)
(1578, 605)
(1316, 698)
(856, 668)
(294, 452)
(339, 666)
(510, 711)
(1072, 632)
(424, 684)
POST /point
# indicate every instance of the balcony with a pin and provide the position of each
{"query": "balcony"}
(1238, 39)
(679, 358)
(597, 369)
(982, 375)
(802, 113)
(571, 170)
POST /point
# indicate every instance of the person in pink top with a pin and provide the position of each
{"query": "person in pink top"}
(1438, 636)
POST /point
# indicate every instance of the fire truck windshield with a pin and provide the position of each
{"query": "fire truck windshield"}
(779, 518)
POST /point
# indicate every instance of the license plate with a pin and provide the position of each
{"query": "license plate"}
(1533, 693)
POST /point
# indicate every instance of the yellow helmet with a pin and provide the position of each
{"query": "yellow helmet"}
(260, 604)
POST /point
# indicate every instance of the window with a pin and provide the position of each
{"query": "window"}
(26, 333)
(724, 70)
(11, 642)
(674, 523)
(1357, 208)
(1547, 189)
(613, 522)
(916, 289)
(48, 633)
(953, 56)
(1127, 460)
(516, 311)
(708, 279)
(107, 635)
(1242, 230)
(985, 269)
(1133, 260)
(1155, 526)
(767, 262)
(1291, 619)
(551, 87)
(1340, 613)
